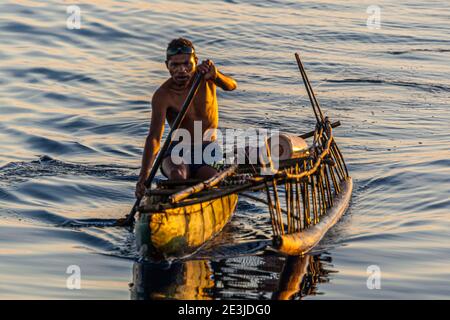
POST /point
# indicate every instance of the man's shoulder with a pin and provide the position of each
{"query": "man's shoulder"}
(161, 93)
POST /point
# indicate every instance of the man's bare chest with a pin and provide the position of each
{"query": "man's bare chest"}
(202, 104)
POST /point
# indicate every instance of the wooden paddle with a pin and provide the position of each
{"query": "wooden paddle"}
(129, 218)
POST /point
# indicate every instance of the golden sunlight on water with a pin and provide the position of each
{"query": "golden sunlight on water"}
(75, 110)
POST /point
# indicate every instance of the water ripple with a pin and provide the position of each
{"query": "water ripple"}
(415, 85)
(81, 100)
(51, 74)
(46, 166)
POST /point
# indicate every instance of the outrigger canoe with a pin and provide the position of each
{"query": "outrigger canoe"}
(306, 195)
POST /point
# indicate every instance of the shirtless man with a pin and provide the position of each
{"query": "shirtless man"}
(167, 102)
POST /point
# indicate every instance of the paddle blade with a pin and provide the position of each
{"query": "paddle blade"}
(128, 220)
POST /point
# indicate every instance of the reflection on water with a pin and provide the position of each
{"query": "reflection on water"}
(265, 278)
(189, 280)
(300, 277)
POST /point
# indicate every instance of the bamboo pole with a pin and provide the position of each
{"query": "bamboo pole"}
(342, 159)
(310, 90)
(306, 200)
(313, 197)
(278, 207)
(323, 205)
(291, 195)
(288, 205)
(337, 189)
(328, 188)
(305, 81)
(340, 170)
(271, 210)
(211, 182)
(311, 133)
(297, 200)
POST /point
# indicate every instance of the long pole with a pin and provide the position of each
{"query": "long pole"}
(129, 218)
(309, 90)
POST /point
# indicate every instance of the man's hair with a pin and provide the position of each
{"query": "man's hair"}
(180, 42)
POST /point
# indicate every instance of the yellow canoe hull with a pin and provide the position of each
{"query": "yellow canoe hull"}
(180, 231)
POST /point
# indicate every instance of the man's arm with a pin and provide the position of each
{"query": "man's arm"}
(152, 142)
(225, 82)
(210, 71)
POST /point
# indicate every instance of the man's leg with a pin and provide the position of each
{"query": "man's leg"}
(204, 172)
(174, 171)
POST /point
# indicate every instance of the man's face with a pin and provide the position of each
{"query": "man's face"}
(182, 68)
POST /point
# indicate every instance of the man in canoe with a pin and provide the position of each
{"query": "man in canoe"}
(181, 61)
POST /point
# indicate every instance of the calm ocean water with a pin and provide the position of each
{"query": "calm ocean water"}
(74, 110)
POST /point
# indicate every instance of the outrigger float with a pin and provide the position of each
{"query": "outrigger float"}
(305, 197)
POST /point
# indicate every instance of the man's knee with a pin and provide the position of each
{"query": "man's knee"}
(205, 172)
(179, 173)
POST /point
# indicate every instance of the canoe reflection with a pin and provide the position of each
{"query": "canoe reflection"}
(258, 277)
(187, 280)
(300, 277)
